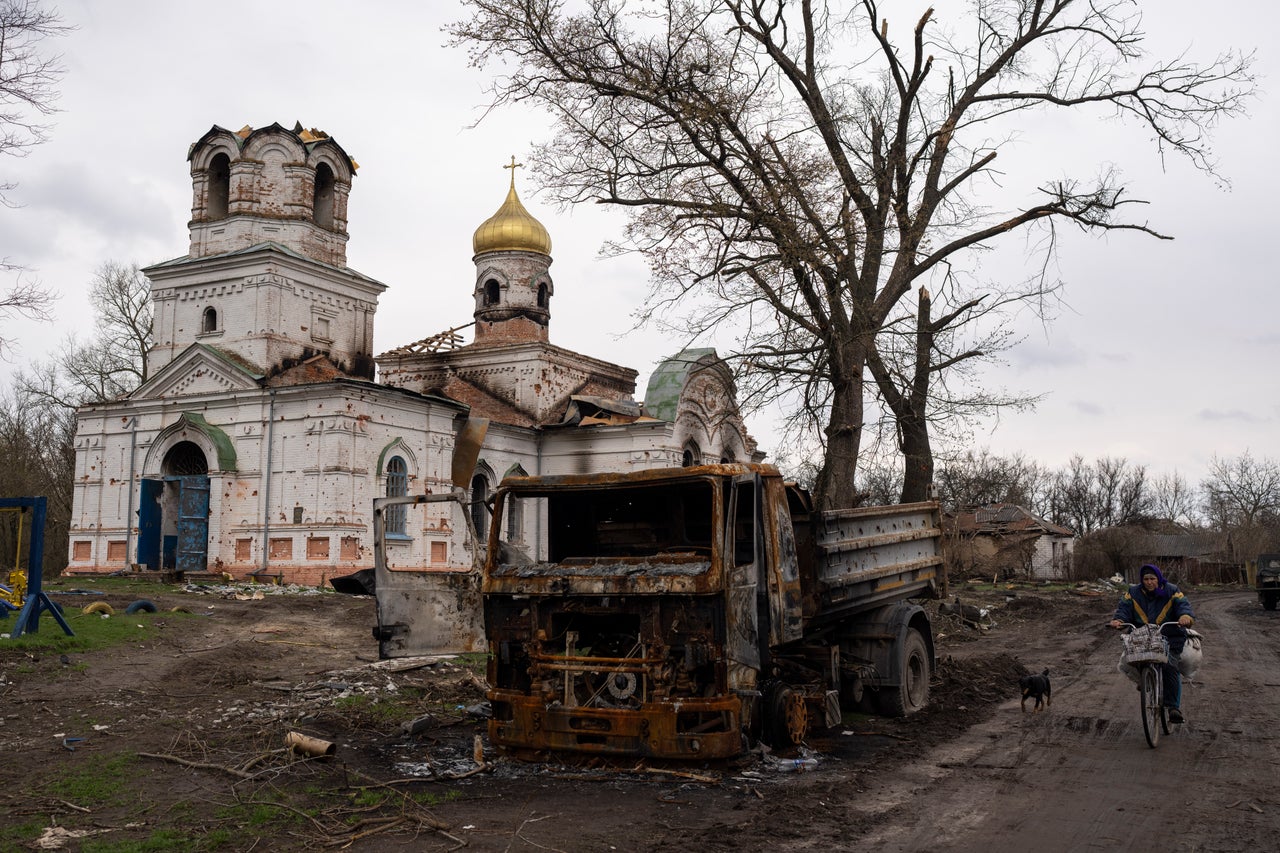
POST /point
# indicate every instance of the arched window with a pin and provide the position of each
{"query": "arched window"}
(397, 487)
(183, 459)
(542, 295)
(322, 205)
(219, 187)
(209, 323)
(479, 511)
(692, 455)
(491, 290)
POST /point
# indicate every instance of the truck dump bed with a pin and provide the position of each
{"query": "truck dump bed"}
(870, 556)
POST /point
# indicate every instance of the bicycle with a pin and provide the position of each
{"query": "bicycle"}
(1145, 651)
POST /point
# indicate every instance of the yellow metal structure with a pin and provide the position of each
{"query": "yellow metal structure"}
(17, 581)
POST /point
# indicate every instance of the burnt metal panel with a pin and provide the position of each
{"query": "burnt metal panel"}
(425, 610)
(872, 555)
(786, 598)
(684, 728)
(743, 558)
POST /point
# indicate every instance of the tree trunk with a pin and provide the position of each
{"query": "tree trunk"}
(917, 458)
(913, 422)
(835, 488)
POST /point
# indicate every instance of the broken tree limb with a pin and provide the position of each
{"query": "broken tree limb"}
(199, 765)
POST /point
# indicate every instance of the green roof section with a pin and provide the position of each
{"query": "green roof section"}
(221, 441)
(382, 457)
(662, 395)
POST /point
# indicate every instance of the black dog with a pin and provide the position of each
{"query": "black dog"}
(1036, 687)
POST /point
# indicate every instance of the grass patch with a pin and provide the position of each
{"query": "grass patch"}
(477, 662)
(374, 711)
(92, 631)
(428, 798)
(19, 836)
(160, 841)
(123, 585)
(369, 798)
(259, 815)
(103, 780)
(1006, 585)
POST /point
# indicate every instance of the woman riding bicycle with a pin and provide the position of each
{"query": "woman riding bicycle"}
(1152, 602)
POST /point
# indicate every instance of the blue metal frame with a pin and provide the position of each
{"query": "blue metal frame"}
(37, 599)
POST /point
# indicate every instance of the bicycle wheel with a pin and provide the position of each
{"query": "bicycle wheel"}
(1149, 687)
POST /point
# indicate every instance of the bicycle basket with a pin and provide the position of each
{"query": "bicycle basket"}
(1145, 644)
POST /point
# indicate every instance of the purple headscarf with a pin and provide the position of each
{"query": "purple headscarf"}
(1153, 569)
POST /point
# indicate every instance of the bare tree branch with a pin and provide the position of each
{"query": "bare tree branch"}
(793, 169)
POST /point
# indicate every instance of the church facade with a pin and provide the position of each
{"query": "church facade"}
(268, 425)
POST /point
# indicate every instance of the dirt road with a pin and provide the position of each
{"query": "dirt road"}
(182, 738)
(1082, 776)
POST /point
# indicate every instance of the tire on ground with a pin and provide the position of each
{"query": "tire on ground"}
(912, 692)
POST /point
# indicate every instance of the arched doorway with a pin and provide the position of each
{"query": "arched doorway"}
(173, 512)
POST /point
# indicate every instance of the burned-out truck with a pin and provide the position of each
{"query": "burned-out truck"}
(685, 612)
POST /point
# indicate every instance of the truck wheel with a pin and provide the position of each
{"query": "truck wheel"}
(912, 692)
(786, 718)
(1269, 601)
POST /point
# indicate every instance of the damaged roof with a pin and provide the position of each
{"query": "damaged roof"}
(1003, 519)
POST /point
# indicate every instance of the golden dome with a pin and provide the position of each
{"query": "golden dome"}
(512, 228)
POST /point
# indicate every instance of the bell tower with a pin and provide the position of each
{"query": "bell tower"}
(266, 280)
(270, 185)
(513, 288)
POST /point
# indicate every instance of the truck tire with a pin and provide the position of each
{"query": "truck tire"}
(786, 719)
(912, 692)
(1269, 600)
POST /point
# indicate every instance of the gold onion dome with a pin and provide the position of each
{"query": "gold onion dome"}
(512, 228)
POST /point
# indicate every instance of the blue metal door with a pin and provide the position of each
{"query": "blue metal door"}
(193, 523)
(149, 523)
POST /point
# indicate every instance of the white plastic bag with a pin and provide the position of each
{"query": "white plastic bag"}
(1192, 654)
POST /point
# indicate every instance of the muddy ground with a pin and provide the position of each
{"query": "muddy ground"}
(175, 742)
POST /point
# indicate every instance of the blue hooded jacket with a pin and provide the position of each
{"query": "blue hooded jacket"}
(1165, 604)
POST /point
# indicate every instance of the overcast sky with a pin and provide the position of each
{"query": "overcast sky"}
(1164, 352)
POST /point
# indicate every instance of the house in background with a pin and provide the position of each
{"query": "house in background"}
(1185, 558)
(1005, 540)
(268, 424)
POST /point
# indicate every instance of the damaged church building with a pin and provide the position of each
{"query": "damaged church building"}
(268, 424)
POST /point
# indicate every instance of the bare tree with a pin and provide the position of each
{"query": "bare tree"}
(1109, 492)
(1242, 502)
(1243, 490)
(1172, 498)
(795, 170)
(25, 298)
(114, 361)
(978, 478)
(923, 369)
(28, 77)
(37, 443)
(121, 296)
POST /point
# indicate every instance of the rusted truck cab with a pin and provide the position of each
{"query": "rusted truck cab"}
(668, 613)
